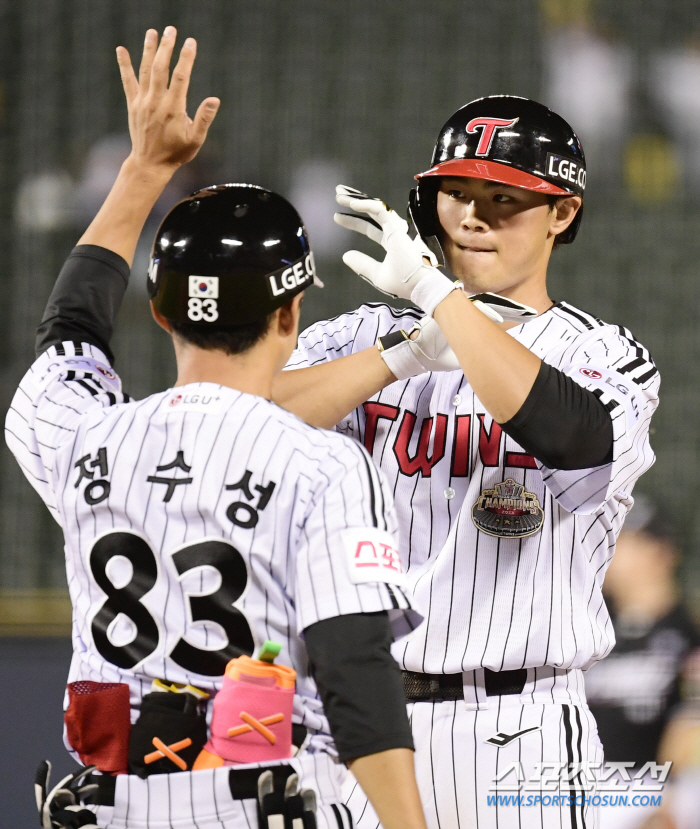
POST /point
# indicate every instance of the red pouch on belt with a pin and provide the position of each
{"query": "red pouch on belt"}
(98, 723)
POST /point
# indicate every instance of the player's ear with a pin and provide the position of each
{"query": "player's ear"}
(160, 319)
(288, 316)
(563, 212)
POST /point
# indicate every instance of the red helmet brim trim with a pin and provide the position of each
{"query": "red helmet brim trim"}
(493, 171)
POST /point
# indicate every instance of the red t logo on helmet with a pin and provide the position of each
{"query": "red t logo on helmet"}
(488, 130)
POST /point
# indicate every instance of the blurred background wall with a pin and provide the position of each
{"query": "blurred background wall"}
(317, 92)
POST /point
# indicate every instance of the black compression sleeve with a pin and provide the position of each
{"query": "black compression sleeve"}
(360, 683)
(562, 424)
(85, 299)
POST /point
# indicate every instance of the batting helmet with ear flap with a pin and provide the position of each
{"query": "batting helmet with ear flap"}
(229, 255)
(506, 139)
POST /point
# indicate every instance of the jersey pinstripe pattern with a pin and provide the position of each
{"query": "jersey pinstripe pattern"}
(202, 799)
(195, 501)
(456, 766)
(500, 603)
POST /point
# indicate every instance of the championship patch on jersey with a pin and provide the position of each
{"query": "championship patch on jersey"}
(372, 556)
(508, 511)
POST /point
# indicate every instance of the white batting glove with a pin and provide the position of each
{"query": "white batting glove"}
(403, 273)
(423, 348)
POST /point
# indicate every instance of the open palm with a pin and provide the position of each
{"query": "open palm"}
(162, 133)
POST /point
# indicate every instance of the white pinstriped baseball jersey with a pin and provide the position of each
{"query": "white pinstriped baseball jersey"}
(200, 522)
(461, 754)
(467, 496)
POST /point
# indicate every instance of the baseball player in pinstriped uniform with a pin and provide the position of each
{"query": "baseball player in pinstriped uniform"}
(204, 520)
(512, 445)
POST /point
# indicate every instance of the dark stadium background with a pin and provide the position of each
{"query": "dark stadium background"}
(309, 87)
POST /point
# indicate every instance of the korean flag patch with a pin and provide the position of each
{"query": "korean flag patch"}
(204, 287)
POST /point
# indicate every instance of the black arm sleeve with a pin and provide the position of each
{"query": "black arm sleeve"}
(360, 683)
(562, 424)
(85, 299)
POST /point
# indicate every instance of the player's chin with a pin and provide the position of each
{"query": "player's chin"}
(478, 273)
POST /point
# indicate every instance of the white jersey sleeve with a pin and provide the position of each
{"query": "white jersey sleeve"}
(349, 333)
(621, 373)
(66, 384)
(348, 559)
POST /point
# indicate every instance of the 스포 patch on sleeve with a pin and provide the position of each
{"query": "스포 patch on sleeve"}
(372, 555)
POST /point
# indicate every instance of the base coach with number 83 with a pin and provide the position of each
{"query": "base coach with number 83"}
(234, 572)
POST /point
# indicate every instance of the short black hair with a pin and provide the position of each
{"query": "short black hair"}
(230, 340)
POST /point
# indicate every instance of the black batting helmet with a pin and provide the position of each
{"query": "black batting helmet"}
(507, 139)
(229, 255)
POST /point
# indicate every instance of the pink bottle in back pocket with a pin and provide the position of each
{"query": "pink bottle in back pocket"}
(252, 717)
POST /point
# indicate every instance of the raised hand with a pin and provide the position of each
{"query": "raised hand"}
(404, 268)
(163, 136)
(409, 262)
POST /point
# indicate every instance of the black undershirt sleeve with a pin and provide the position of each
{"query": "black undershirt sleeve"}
(85, 300)
(562, 424)
(360, 683)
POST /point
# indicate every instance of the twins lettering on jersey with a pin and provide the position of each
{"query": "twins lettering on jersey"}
(490, 441)
(506, 511)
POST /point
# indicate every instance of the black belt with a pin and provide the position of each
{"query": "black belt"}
(242, 782)
(420, 687)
